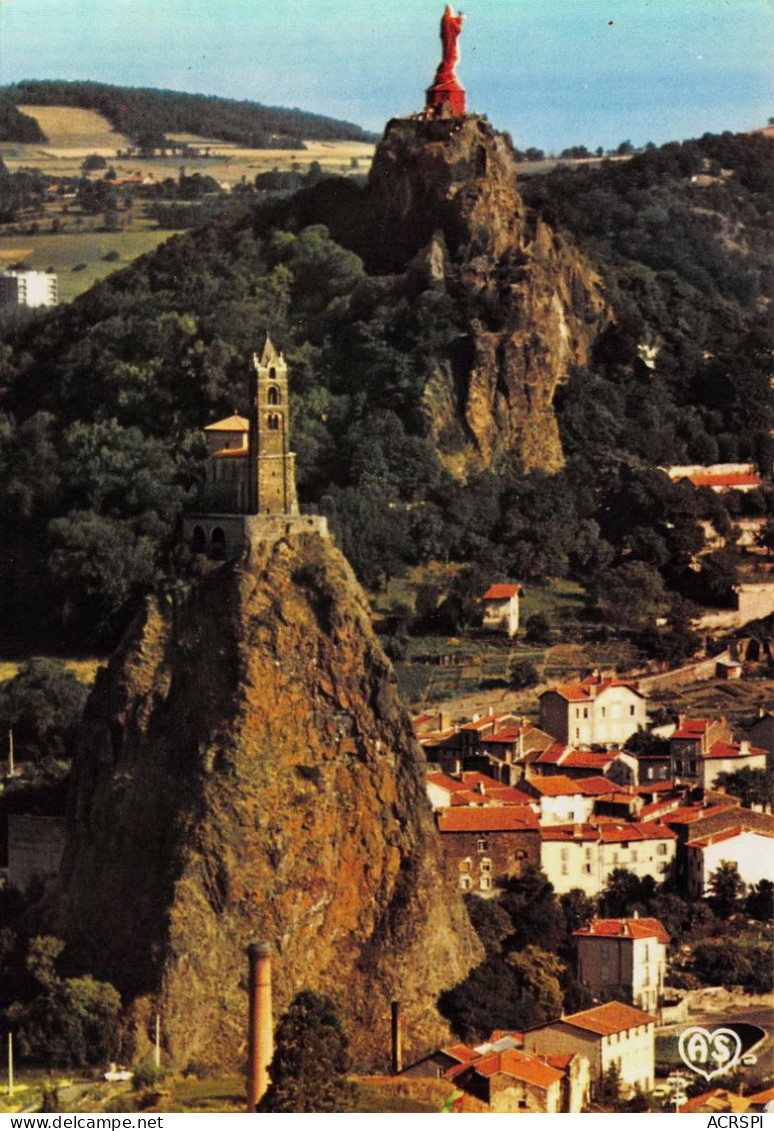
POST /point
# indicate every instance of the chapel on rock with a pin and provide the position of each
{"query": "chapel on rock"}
(249, 489)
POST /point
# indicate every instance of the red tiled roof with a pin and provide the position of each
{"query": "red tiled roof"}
(485, 721)
(569, 832)
(501, 592)
(596, 785)
(625, 928)
(589, 759)
(718, 1100)
(761, 1097)
(556, 786)
(486, 819)
(612, 832)
(233, 423)
(693, 728)
(733, 750)
(729, 479)
(551, 755)
(462, 1053)
(727, 834)
(521, 1065)
(445, 782)
(687, 814)
(612, 1017)
(595, 684)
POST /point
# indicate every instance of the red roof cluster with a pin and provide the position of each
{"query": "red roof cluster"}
(529, 1067)
(733, 750)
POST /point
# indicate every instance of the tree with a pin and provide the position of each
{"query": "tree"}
(752, 787)
(538, 629)
(625, 892)
(538, 974)
(726, 889)
(70, 1022)
(631, 595)
(577, 909)
(44, 705)
(491, 922)
(531, 903)
(308, 1072)
(721, 962)
(610, 1085)
(760, 901)
(92, 162)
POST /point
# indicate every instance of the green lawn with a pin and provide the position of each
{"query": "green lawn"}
(68, 250)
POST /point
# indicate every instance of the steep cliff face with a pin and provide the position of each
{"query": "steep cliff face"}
(444, 193)
(247, 772)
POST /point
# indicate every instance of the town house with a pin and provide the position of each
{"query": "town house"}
(482, 845)
(609, 1034)
(623, 959)
(599, 711)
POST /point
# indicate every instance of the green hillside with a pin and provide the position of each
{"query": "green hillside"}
(102, 402)
(147, 115)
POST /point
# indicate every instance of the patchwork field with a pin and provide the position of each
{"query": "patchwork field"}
(73, 133)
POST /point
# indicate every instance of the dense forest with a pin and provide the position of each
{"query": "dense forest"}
(16, 126)
(147, 115)
(102, 402)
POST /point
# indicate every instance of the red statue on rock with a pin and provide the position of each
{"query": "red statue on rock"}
(446, 97)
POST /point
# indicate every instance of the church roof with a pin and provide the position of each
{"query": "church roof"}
(233, 423)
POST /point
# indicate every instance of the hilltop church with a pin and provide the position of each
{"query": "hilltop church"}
(249, 489)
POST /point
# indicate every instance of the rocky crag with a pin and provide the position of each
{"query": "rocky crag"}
(443, 195)
(247, 772)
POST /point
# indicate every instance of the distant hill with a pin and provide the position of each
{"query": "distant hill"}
(15, 126)
(144, 114)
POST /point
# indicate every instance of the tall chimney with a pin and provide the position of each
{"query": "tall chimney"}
(260, 1029)
(397, 1039)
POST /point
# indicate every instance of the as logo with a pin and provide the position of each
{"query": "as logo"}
(708, 1053)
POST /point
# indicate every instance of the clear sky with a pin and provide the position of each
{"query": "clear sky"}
(552, 72)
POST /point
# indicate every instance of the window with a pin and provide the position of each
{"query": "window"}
(631, 709)
(274, 395)
(485, 883)
(465, 864)
(465, 883)
(565, 870)
(603, 712)
(661, 850)
(577, 733)
(604, 974)
(272, 422)
(587, 869)
(588, 853)
(633, 856)
(577, 712)
(565, 854)
(585, 712)
(486, 864)
(482, 844)
(604, 950)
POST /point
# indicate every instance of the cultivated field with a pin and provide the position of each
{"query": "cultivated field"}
(73, 133)
(76, 131)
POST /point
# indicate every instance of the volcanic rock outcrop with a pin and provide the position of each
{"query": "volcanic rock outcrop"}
(443, 193)
(247, 772)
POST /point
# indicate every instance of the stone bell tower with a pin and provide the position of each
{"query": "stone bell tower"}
(272, 471)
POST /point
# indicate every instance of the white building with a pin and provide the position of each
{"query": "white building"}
(584, 855)
(599, 711)
(28, 288)
(609, 1034)
(750, 849)
(501, 608)
(623, 958)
